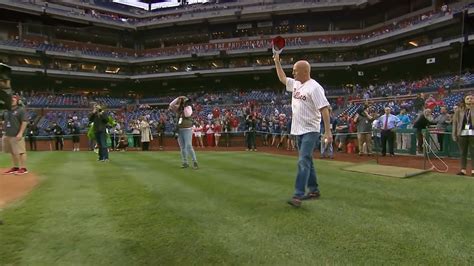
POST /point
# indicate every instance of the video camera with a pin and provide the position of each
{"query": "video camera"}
(5, 88)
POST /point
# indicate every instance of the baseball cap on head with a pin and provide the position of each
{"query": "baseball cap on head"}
(5, 72)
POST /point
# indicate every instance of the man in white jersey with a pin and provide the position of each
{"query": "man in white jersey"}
(308, 104)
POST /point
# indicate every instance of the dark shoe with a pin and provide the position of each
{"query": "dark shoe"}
(184, 165)
(461, 173)
(195, 166)
(295, 202)
(311, 196)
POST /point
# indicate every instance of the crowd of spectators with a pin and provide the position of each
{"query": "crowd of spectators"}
(243, 44)
(234, 112)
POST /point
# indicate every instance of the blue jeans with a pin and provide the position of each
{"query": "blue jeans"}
(306, 175)
(185, 141)
(100, 138)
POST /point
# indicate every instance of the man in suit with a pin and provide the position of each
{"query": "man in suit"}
(388, 124)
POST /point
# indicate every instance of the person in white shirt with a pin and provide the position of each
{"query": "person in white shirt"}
(308, 105)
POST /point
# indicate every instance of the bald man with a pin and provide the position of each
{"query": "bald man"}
(308, 105)
(388, 123)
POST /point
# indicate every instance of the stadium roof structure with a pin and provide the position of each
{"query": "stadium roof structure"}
(152, 4)
(147, 4)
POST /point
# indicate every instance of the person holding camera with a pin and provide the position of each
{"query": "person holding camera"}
(364, 121)
(32, 132)
(75, 131)
(182, 106)
(58, 136)
(424, 120)
(14, 142)
(100, 120)
(250, 132)
(6, 91)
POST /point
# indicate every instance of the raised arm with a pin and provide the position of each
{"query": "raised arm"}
(174, 105)
(281, 74)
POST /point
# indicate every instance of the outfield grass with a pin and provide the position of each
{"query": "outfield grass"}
(141, 208)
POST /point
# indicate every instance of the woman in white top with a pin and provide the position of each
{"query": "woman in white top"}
(145, 131)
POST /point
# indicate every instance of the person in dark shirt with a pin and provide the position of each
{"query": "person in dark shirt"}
(75, 131)
(422, 122)
(227, 128)
(100, 120)
(250, 128)
(14, 126)
(58, 136)
(32, 132)
(160, 130)
(419, 103)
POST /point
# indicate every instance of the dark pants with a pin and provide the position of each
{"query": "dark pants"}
(145, 146)
(227, 139)
(100, 138)
(440, 141)
(114, 138)
(32, 140)
(387, 136)
(419, 135)
(136, 140)
(161, 139)
(250, 139)
(466, 145)
(59, 144)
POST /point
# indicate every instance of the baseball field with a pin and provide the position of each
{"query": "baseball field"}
(142, 208)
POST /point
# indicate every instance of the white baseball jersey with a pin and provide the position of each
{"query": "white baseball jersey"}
(307, 99)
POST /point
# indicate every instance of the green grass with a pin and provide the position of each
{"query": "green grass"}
(141, 208)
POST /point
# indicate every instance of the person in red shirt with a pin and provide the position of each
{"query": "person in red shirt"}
(216, 113)
(234, 123)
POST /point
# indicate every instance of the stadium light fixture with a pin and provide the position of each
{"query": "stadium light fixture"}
(431, 60)
(33, 62)
(88, 67)
(112, 70)
(413, 43)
